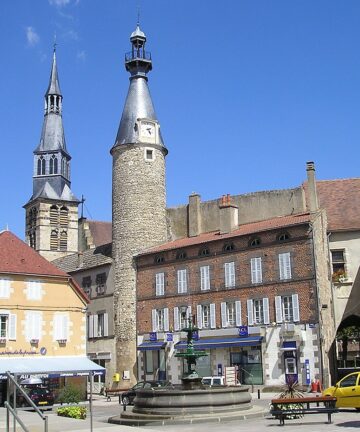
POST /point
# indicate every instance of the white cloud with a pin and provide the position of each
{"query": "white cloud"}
(59, 3)
(32, 37)
(81, 55)
(70, 35)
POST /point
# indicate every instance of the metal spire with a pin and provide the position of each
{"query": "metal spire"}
(54, 86)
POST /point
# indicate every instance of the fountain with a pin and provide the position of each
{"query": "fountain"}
(191, 401)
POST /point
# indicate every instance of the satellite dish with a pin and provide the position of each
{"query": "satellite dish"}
(30, 381)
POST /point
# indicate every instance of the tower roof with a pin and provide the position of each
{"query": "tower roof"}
(54, 86)
(137, 34)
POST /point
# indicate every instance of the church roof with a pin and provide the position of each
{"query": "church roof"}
(54, 86)
(16, 257)
(246, 229)
(90, 258)
(52, 134)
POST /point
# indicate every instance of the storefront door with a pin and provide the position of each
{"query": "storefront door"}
(249, 364)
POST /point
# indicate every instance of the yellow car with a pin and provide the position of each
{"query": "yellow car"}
(347, 391)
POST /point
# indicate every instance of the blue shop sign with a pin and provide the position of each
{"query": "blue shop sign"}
(243, 331)
(153, 336)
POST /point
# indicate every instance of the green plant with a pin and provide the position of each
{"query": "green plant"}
(69, 394)
(76, 412)
(291, 390)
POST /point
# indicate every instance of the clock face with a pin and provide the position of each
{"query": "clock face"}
(147, 130)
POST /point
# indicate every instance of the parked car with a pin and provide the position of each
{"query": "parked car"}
(41, 396)
(347, 391)
(215, 381)
(127, 398)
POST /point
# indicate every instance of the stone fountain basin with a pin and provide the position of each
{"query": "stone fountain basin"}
(177, 401)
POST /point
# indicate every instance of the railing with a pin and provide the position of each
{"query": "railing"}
(13, 410)
(138, 55)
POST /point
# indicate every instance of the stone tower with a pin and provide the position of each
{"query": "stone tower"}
(52, 211)
(138, 197)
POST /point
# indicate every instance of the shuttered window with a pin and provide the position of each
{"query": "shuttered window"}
(256, 270)
(159, 284)
(230, 314)
(54, 240)
(54, 215)
(182, 281)
(61, 327)
(287, 308)
(229, 269)
(205, 278)
(63, 240)
(33, 325)
(5, 285)
(64, 216)
(284, 266)
(160, 320)
(34, 290)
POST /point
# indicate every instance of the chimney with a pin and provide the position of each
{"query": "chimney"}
(313, 204)
(229, 215)
(194, 215)
(80, 260)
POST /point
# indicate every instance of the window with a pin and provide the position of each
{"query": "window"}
(53, 165)
(64, 216)
(86, 284)
(230, 314)
(7, 325)
(204, 252)
(100, 283)
(61, 327)
(284, 266)
(182, 281)
(54, 215)
(33, 326)
(41, 164)
(205, 278)
(338, 265)
(159, 259)
(181, 315)
(98, 325)
(206, 316)
(32, 239)
(254, 242)
(258, 311)
(5, 285)
(149, 154)
(228, 247)
(283, 237)
(287, 308)
(54, 240)
(181, 255)
(63, 240)
(349, 381)
(256, 270)
(159, 284)
(229, 269)
(160, 320)
(34, 290)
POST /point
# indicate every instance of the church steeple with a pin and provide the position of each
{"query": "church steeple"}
(51, 179)
(138, 107)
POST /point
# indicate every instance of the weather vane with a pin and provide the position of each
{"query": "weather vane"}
(55, 44)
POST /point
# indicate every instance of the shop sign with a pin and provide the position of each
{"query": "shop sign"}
(169, 337)
(243, 331)
(21, 352)
(153, 336)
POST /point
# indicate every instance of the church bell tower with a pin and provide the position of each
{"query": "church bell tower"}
(51, 225)
(138, 196)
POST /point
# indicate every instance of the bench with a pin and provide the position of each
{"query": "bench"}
(309, 405)
(114, 392)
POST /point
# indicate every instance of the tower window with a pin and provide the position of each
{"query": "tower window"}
(53, 166)
(63, 240)
(41, 166)
(64, 216)
(54, 240)
(54, 215)
(149, 154)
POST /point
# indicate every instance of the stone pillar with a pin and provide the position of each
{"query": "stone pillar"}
(313, 204)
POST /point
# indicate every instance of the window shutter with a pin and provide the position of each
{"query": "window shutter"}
(256, 270)
(278, 309)
(56, 328)
(204, 278)
(266, 310)
(166, 319)
(238, 313)
(229, 269)
(154, 320)
(91, 326)
(96, 326)
(4, 288)
(285, 266)
(295, 305)
(199, 316)
(64, 327)
(250, 314)
(160, 283)
(176, 318)
(223, 315)
(212, 316)
(12, 327)
(106, 324)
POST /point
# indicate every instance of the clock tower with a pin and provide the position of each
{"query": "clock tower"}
(138, 196)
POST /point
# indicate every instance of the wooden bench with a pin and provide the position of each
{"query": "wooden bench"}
(114, 392)
(309, 405)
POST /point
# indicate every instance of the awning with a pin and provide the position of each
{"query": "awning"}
(51, 367)
(151, 346)
(221, 343)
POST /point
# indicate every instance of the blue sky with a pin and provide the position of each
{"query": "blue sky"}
(246, 92)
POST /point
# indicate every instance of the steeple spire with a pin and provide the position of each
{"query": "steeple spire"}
(138, 104)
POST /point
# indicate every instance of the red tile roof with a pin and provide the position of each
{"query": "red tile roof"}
(341, 199)
(17, 257)
(250, 228)
(101, 232)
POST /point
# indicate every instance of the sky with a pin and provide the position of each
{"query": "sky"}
(246, 91)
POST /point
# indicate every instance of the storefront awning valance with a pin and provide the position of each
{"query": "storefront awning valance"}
(221, 343)
(151, 346)
(49, 366)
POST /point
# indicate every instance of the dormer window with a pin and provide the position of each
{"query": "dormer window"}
(159, 259)
(181, 255)
(228, 247)
(283, 237)
(204, 252)
(255, 242)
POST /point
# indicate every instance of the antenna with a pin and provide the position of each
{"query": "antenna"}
(55, 44)
(82, 206)
(138, 15)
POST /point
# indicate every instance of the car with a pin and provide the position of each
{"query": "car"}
(347, 391)
(127, 398)
(215, 381)
(41, 396)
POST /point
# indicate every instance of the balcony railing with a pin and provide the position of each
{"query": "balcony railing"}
(138, 55)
